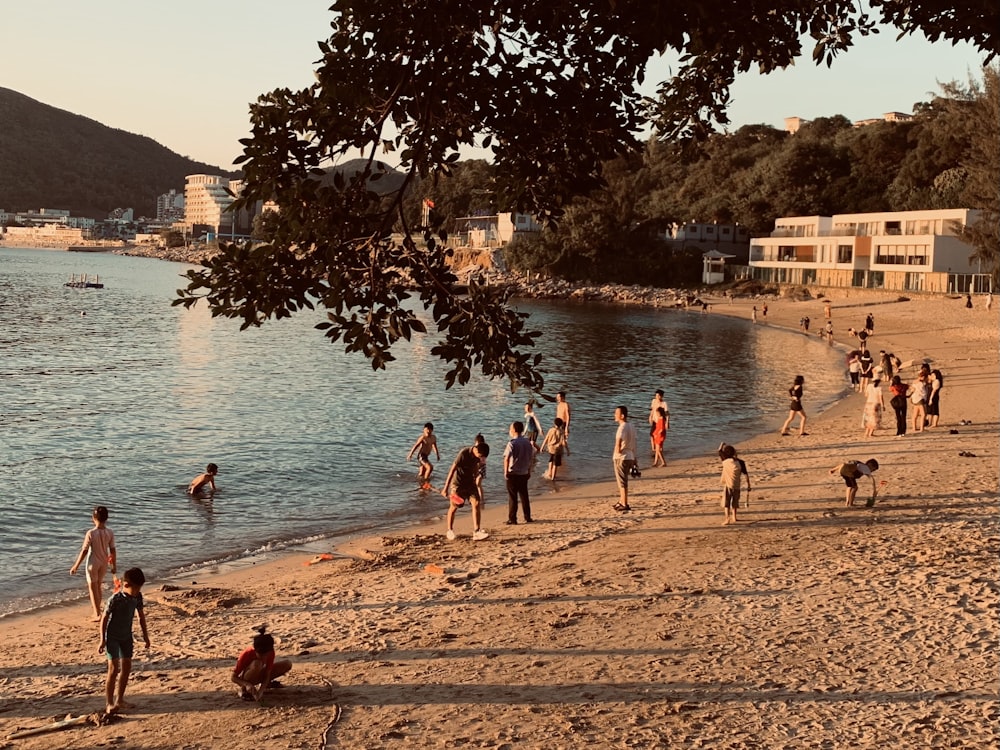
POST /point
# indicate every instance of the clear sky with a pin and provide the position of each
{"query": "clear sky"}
(184, 72)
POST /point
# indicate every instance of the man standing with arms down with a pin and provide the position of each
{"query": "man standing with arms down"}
(562, 410)
(517, 459)
(623, 456)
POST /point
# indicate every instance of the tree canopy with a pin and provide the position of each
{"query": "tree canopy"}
(549, 89)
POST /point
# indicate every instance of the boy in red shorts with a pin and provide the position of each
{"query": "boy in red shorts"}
(464, 482)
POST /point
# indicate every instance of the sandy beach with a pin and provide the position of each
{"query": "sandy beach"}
(805, 625)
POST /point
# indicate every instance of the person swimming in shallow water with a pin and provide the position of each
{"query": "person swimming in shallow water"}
(207, 479)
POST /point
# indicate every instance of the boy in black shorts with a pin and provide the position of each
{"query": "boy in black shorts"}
(851, 471)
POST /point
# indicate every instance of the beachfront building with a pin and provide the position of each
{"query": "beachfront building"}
(46, 235)
(491, 230)
(206, 197)
(905, 251)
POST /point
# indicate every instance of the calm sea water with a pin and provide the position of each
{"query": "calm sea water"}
(114, 397)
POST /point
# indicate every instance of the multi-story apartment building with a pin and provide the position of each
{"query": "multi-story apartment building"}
(905, 251)
(206, 197)
(170, 206)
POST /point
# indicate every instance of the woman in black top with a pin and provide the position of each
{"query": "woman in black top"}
(795, 407)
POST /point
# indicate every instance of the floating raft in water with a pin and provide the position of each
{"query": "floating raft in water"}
(84, 283)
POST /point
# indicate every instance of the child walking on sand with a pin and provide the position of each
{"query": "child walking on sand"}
(256, 670)
(204, 480)
(555, 445)
(426, 443)
(116, 637)
(733, 469)
(99, 549)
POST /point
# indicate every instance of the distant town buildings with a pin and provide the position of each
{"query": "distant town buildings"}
(491, 230)
(793, 124)
(170, 207)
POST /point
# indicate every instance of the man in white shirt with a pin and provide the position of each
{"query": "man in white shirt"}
(623, 456)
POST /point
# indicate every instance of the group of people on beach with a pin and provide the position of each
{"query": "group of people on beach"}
(868, 377)
(256, 669)
(464, 482)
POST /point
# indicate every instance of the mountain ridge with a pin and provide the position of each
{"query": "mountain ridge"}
(52, 158)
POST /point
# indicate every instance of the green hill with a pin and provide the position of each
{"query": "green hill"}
(50, 158)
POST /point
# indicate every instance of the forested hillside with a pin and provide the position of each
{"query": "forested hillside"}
(54, 159)
(945, 157)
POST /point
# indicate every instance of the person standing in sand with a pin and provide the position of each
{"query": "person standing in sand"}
(623, 456)
(732, 469)
(854, 369)
(918, 397)
(563, 410)
(795, 407)
(655, 405)
(116, 637)
(867, 369)
(659, 436)
(99, 549)
(851, 472)
(934, 398)
(874, 406)
(899, 391)
(517, 459)
(464, 483)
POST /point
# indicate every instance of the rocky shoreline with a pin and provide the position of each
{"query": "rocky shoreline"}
(527, 285)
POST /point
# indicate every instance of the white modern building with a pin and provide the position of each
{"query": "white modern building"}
(206, 198)
(905, 251)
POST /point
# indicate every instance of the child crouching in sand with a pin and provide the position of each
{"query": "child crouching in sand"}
(851, 472)
(256, 670)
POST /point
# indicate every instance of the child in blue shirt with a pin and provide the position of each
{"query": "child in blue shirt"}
(116, 637)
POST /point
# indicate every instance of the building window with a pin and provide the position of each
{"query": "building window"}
(845, 254)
